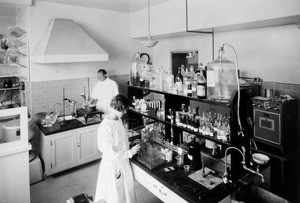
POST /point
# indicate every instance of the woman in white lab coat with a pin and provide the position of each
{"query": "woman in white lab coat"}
(115, 179)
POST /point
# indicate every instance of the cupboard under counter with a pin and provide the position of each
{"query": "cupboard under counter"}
(68, 148)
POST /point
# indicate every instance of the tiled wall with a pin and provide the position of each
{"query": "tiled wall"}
(282, 89)
(45, 96)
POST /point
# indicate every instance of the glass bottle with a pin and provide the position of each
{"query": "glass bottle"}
(191, 72)
(152, 75)
(169, 82)
(142, 76)
(172, 135)
(221, 78)
(178, 76)
(183, 71)
(5, 85)
(188, 86)
(178, 81)
(201, 86)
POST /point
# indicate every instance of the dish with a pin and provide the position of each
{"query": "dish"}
(260, 158)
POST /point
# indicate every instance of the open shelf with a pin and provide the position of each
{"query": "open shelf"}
(183, 96)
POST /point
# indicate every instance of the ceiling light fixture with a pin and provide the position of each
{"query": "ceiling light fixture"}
(149, 43)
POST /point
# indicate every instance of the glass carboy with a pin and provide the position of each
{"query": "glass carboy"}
(221, 78)
(136, 67)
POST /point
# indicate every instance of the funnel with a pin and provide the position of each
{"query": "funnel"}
(260, 158)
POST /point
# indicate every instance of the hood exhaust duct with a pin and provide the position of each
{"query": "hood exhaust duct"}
(66, 42)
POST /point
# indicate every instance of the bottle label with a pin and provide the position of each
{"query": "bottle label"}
(210, 78)
(201, 91)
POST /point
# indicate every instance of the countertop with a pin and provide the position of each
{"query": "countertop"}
(57, 127)
(188, 189)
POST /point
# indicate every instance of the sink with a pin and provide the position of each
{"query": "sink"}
(253, 193)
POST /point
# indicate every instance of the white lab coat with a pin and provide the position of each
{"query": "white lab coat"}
(104, 91)
(115, 179)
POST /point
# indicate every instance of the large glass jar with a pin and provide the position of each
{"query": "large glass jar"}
(135, 69)
(221, 78)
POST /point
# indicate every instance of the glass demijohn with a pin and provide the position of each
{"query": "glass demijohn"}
(221, 78)
(136, 68)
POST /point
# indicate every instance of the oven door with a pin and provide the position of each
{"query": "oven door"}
(267, 126)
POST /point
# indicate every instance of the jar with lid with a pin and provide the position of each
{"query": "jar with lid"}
(221, 78)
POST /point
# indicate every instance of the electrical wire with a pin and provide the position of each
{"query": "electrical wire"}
(238, 87)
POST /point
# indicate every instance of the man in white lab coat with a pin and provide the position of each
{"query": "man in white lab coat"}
(103, 92)
(115, 179)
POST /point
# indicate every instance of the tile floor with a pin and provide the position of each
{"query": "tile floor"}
(60, 187)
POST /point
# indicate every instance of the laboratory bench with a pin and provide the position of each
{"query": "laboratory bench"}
(75, 123)
(176, 186)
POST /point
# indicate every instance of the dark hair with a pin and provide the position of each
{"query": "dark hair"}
(102, 71)
(119, 102)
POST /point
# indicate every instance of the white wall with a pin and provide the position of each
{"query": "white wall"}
(202, 43)
(110, 29)
(272, 53)
(6, 21)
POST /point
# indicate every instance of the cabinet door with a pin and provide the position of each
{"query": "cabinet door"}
(63, 154)
(87, 149)
(237, 14)
(165, 18)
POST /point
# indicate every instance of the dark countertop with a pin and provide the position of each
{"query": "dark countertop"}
(188, 189)
(57, 127)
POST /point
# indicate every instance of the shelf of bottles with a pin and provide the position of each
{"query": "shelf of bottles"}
(187, 87)
(195, 98)
(211, 126)
(13, 48)
(208, 125)
(150, 113)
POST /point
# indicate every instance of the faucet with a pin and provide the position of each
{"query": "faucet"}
(253, 171)
(225, 175)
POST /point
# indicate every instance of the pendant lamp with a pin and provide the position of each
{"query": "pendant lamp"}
(149, 43)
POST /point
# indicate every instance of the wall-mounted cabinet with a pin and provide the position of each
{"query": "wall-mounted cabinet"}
(217, 16)
(174, 18)
(165, 19)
